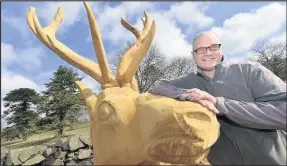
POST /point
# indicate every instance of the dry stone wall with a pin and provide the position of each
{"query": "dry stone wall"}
(76, 150)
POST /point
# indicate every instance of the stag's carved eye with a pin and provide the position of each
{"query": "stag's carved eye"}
(107, 114)
(105, 111)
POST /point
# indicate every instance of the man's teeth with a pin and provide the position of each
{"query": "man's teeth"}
(208, 59)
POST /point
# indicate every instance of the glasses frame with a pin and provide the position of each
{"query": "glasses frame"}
(207, 48)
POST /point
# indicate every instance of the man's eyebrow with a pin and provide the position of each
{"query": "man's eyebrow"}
(201, 47)
(208, 46)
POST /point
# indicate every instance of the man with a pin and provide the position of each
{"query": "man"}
(249, 100)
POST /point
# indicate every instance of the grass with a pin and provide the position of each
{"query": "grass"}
(44, 138)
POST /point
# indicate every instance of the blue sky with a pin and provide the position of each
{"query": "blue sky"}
(26, 62)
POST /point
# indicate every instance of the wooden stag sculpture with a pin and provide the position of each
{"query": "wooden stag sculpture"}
(128, 127)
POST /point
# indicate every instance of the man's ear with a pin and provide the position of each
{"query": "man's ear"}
(222, 58)
(193, 56)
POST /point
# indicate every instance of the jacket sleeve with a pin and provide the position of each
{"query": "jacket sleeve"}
(175, 88)
(269, 109)
(164, 88)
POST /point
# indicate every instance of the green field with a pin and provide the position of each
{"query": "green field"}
(44, 138)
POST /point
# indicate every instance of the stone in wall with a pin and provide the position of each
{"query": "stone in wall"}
(74, 151)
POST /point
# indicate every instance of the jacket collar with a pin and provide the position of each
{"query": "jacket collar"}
(217, 70)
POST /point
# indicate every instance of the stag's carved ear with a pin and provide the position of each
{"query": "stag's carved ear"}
(89, 97)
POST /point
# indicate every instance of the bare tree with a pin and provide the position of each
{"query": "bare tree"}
(272, 56)
(151, 69)
(180, 66)
(155, 66)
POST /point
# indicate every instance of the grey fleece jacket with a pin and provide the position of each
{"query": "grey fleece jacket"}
(252, 105)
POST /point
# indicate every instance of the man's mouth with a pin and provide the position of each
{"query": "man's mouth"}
(208, 59)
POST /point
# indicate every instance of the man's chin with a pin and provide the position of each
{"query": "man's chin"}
(209, 68)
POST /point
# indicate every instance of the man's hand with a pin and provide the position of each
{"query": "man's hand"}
(196, 94)
(203, 98)
(208, 105)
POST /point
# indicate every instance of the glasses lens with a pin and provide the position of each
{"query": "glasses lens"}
(214, 47)
(201, 50)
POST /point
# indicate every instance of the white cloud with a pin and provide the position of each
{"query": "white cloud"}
(16, 22)
(44, 76)
(28, 58)
(247, 56)
(11, 81)
(170, 38)
(242, 30)
(279, 39)
(250, 54)
(109, 19)
(72, 13)
(190, 13)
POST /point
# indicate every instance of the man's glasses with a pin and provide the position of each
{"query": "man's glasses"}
(202, 50)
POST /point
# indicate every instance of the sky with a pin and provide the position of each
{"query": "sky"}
(27, 63)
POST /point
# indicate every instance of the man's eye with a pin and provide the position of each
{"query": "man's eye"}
(201, 49)
(216, 46)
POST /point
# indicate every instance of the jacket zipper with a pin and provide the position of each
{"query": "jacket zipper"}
(212, 86)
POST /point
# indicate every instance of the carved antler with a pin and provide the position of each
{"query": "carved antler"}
(133, 57)
(47, 37)
(99, 48)
(128, 64)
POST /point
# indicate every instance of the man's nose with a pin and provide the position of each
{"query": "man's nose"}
(208, 52)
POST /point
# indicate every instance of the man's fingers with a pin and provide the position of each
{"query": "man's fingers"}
(193, 90)
(196, 94)
(199, 97)
(208, 105)
(202, 102)
(212, 107)
(189, 90)
(193, 97)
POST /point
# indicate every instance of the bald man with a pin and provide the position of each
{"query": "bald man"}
(249, 100)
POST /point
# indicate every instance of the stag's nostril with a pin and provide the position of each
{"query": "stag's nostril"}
(105, 111)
